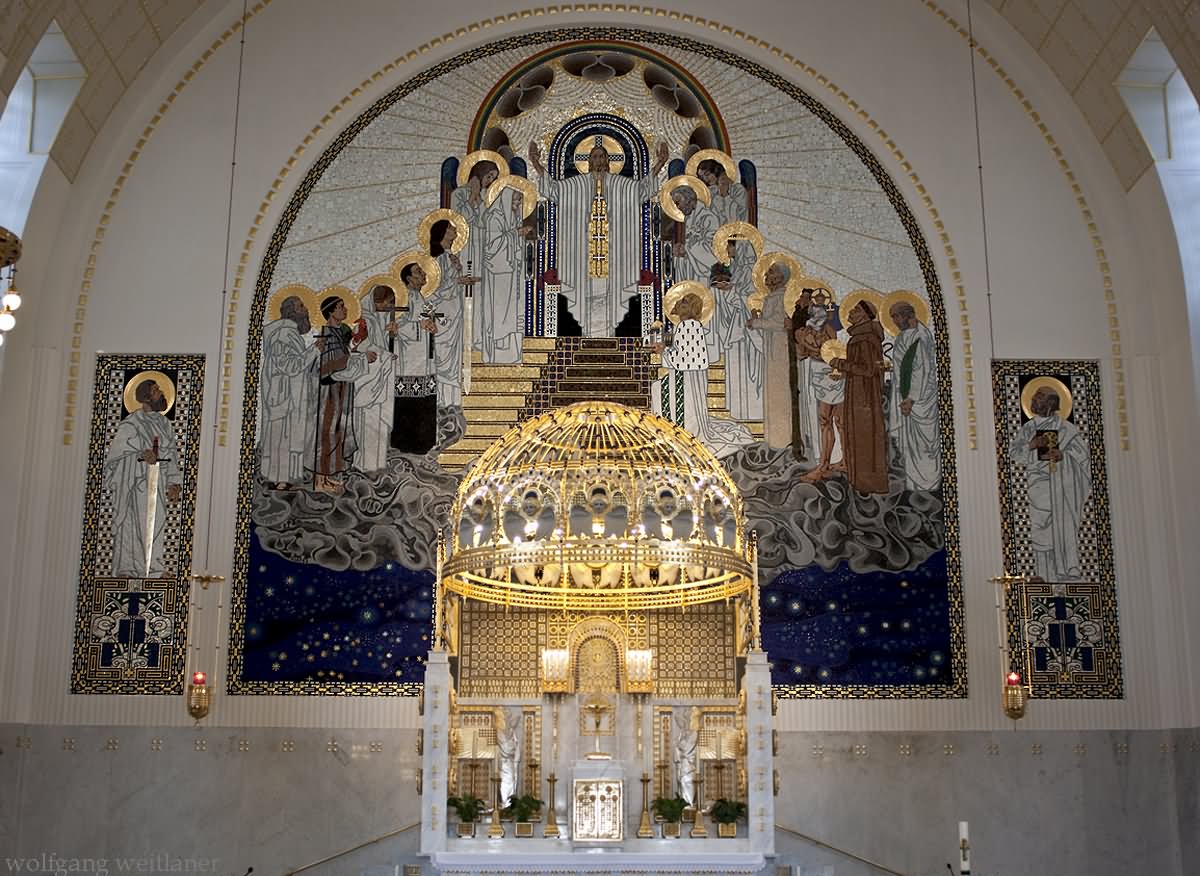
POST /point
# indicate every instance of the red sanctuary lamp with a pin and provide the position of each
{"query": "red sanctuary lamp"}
(1015, 696)
(199, 696)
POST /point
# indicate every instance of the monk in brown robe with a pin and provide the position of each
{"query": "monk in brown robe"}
(865, 436)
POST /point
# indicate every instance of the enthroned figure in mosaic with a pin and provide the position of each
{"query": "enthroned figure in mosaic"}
(599, 235)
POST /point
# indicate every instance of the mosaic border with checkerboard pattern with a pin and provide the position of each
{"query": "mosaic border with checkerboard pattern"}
(163, 601)
(1095, 601)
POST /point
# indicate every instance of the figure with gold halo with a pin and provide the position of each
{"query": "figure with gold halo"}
(414, 423)
(448, 299)
(599, 235)
(501, 306)
(1058, 472)
(287, 355)
(821, 390)
(142, 456)
(864, 441)
(333, 441)
(774, 326)
(374, 389)
(914, 407)
(682, 396)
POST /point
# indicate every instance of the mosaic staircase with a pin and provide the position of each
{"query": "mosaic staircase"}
(554, 372)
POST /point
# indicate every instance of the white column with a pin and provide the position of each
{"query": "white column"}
(435, 761)
(760, 803)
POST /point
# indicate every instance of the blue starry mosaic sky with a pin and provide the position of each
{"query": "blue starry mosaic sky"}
(843, 627)
(308, 623)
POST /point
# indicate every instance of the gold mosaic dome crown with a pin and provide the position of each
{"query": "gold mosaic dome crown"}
(596, 507)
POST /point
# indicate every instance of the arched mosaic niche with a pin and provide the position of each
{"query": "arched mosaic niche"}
(864, 593)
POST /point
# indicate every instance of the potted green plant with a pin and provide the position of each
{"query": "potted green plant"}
(522, 810)
(726, 814)
(670, 811)
(469, 808)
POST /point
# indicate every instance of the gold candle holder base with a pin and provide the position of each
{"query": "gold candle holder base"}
(645, 831)
(551, 830)
(496, 829)
(698, 830)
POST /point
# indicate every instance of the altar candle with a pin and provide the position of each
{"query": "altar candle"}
(964, 847)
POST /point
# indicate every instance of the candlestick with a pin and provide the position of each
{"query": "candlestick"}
(437, 593)
(698, 830)
(496, 829)
(645, 831)
(551, 830)
(756, 637)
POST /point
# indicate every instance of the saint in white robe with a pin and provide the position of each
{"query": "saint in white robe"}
(682, 395)
(1056, 498)
(599, 303)
(777, 383)
(447, 299)
(286, 357)
(374, 391)
(914, 377)
(500, 299)
(126, 477)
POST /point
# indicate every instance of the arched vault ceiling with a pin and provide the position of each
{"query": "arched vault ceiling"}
(1085, 43)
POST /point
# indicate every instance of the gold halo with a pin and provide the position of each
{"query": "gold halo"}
(689, 287)
(919, 304)
(795, 273)
(834, 348)
(456, 219)
(529, 193)
(353, 307)
(165, 385)
(473, 158)
(611, 146)
(851, 301)
(1064, 395)
(736, 231)
(389, 280)
(433, 271)
(725, 158)
(692, 182)
(308, 296)
(790, 295)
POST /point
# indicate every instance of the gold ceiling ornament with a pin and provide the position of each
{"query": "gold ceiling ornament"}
(433, 271)
(529, 192)
(389, 280)
(165, 385)
(616, 154)
(456, 219)
(835, 348)
(792, 294)
(1065, 402)
(597, 507)
(473, 158)
(692, 182)
(851, 300)
(295, 290)
(689, 287)
(902, 296)
(725, 158)
(736, 230)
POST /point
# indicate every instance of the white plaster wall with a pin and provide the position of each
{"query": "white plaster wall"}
(160, 273)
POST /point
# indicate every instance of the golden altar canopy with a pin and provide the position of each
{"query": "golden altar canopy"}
(597, 507)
